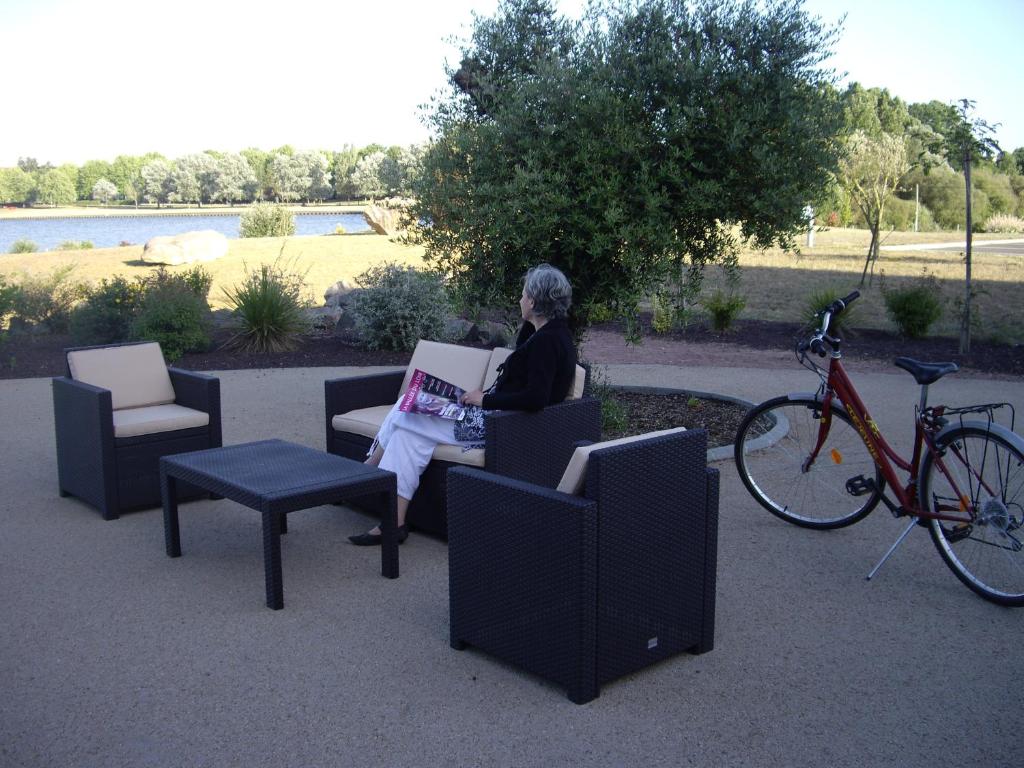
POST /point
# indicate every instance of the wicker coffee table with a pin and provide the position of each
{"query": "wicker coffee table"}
(275, 477)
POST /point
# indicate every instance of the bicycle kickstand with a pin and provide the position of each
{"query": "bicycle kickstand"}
(913, 522)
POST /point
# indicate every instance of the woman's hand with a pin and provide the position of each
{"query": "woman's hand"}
(476, 397)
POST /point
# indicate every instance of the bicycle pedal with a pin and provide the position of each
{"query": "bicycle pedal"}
(957, 533)
(860, 485)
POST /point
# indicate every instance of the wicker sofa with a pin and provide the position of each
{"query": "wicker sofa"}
(527, 446)
(610, 573)
(118, 409)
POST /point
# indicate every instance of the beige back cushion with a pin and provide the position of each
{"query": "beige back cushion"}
(572, 478)
(578, 382)
(136, 374)
(462, 366)
(498, 356)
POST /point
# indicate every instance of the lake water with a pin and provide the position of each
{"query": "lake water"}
(111, 231)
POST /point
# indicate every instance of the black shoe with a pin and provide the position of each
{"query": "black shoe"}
(374, 539)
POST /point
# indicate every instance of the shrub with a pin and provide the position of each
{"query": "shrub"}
(266, 220)
(819, 300)
(915, 307)
(614, 417)
(75, 245)
(661, 314)
(268, 309)
(108, 312)
(398, 306)
(724, 308)
(1004, 222)
(23, 246)
(6, 303)
(47, 299)
(600, 313)
(174, 316)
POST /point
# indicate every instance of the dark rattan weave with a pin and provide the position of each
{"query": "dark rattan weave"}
(583, 590)
(274, 478)
(527, 446)
(117, 474)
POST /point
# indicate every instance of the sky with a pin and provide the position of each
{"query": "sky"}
(91, 79)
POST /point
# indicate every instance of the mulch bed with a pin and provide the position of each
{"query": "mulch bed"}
(28, 355)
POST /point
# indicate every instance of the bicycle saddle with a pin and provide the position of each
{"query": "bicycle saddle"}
(925, 373)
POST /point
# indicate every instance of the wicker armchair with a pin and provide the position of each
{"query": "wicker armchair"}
(119, 409)
(528, 446)
(583, 589)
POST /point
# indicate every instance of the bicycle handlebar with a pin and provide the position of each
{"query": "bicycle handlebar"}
(817, 342)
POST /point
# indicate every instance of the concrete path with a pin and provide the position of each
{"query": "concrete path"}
(112, 654)
(1013, 246)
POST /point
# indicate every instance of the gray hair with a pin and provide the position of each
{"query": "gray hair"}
(550, 291)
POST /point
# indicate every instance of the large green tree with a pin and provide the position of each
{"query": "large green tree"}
(638, 145)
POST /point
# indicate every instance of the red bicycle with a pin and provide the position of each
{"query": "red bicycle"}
(818, 460)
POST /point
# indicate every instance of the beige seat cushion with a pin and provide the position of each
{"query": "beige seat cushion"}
(462, 366)
(136, 374)
(576, 471)
(474, 457)
(362, 421)
(367, 421)
(150, 419)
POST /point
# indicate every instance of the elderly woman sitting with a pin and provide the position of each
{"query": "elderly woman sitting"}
(539, 372)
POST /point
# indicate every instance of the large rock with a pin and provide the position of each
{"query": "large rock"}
(383, 221)
(203, 245)
(338, 294)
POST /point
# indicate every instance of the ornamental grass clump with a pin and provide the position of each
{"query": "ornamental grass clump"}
(723, 309)
(818, 301)
(268, 309)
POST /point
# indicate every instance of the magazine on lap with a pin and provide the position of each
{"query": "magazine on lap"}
(434, 396)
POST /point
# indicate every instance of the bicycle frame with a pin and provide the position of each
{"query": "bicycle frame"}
(838, 385)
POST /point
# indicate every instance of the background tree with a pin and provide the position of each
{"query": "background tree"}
(16, 186)
(871, 170)
(193, 178)
(104, 191)
(371, 174)
(156, 181)
(259, 161)
(234, 180)
(342, 165)
(126, 173)
(57, 186)
(289, 176)
(968, 140)
(315, 169)
(91, 172)
(641, 144)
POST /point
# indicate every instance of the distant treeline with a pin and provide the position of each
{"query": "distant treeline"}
(282, 175)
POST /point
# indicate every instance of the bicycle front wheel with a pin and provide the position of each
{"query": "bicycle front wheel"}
(984, 477)
(774, 443)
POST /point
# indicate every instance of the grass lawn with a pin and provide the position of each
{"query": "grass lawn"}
(324, 259)
(775, 284)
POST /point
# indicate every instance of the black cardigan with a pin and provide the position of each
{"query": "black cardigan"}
(540, 372)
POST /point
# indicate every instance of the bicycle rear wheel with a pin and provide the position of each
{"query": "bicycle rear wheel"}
(774, 441)
(987, 469)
